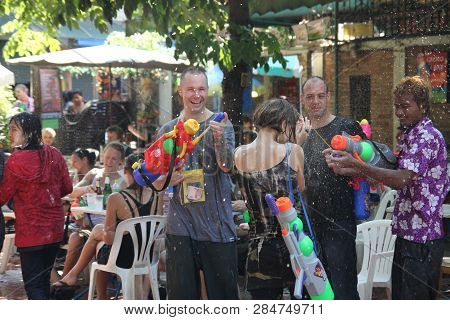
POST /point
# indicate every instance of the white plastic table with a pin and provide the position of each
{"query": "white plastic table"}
(78, 212)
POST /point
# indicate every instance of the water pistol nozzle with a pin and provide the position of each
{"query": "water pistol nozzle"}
(219, 117)
(272, 203)
(339, 142)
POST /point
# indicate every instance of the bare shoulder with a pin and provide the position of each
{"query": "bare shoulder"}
(115, 197)
(239, 156)
(238, 151)
(297, 151)
(296, 156)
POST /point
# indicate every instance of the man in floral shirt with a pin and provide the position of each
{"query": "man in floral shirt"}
(423, 183)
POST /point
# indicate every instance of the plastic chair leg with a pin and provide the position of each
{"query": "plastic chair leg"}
(8, 247)
(139, 287)
(154, 283)
(362, 291)
(92, 280)
(128, 286)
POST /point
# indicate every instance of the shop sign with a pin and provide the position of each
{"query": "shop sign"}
(312, 30)
(432, 68)
(50, 90)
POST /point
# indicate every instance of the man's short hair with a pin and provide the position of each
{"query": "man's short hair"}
(416, 87)
(193, 70)
(315, 78)
(116, 129)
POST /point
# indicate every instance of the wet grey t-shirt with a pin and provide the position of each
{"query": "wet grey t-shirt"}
(211, 220)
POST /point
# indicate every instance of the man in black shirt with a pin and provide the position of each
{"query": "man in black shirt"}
(329, 196)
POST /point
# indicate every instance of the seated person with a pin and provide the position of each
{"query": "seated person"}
(83, 161)
(48, 136)
(115, 133)
(113, 158)
(133, 201)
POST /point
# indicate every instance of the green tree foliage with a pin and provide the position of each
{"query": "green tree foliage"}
(6, 111)
(199, 28)
(203, 30)
(35, 23)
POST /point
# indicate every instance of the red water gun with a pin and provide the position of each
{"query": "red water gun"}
(157, 156)
(168, 151)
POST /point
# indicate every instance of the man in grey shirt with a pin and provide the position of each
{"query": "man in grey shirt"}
(200, 229)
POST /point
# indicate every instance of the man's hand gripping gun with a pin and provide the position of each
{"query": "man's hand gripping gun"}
(168, 151)
(373, 153)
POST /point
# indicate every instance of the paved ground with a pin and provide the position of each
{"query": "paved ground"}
(11, 284)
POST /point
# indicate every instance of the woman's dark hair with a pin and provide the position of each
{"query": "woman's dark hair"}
(85, 153)
(31, 127)
(129, 161)
(272, 113)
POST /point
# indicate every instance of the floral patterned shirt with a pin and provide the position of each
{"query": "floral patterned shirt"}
(418, 211)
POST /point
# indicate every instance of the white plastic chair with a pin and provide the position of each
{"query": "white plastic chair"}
(7, 251)
(8, 246)
(387, 200)
(377, 258)
(151, 228)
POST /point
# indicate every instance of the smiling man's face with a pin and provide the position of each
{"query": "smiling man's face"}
(193, 91)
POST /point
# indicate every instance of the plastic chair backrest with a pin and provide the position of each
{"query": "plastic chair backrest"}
(146, 228)
(387, 200)
(377, 238)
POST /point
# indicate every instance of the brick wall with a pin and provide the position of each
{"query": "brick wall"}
(378, 64)
(440, 113)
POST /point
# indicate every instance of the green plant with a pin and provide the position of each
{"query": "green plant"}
(6, 111)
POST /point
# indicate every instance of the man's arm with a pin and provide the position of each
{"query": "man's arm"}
(396, 179)
(345, 164)
(223, 133)
(84, 186)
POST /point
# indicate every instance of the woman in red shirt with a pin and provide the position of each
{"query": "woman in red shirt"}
(35, 178)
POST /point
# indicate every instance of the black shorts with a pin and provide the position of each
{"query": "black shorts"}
(126, 254)
(268, 264)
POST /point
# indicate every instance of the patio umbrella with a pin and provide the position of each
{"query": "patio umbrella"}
(106, 56)
(6, 76)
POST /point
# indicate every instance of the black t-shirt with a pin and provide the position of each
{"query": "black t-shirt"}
(329, 196)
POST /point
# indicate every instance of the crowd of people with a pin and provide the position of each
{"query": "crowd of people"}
(282, 153)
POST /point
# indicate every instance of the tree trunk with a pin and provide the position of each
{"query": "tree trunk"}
(231, 85)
